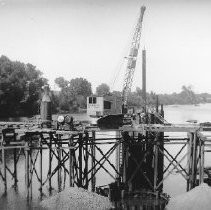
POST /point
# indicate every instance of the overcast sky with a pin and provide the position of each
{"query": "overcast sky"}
(90, 38)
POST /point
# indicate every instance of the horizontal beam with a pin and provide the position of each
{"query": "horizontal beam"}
(142, 128)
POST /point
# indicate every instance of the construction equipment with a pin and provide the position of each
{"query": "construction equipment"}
(131, 64)
(117, 120)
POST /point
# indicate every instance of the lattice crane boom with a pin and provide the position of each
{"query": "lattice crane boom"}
(131, 64)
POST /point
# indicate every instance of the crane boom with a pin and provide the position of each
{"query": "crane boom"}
(131, 64)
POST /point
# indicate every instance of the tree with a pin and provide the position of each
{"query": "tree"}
(73, 93)
(64, 96)
(80, 89)
(20, 86)
(80, 86)
(186, 96)
(102, 89)
(61, 82)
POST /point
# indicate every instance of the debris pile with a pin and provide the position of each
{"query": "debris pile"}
(76, 198)
(199, 198)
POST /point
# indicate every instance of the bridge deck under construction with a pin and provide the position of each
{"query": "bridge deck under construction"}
(74, 158)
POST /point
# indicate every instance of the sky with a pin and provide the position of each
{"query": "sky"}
(91, 38)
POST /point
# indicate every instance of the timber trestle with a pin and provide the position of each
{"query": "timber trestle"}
(56, 159)
(138, 160)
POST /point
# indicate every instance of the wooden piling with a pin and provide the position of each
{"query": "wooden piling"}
(41, 167)
(155, 165)
(31, 173)
(189, 162)
(80, 162)
(160, 150)
(86, 178)
(157, 104)
(26, 150)
(194, 160)
(50, 162)
(15, 166)
(59, 163)
(4, 168)
(202, 162)
(71, 162)
(119, 155)
(93, 153)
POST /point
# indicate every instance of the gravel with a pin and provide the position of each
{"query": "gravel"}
(74, 198)
(199, 198)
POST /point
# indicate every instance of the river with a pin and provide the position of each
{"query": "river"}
(174, 184)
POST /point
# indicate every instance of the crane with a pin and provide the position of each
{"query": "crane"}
(116, 120)
(131, 63)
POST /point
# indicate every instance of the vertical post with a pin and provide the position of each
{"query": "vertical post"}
(15, 166)
(161, 148)
(27, 168)
(31, 172)
(194, 165)
(71, 163)
(160, 159)
(80, 159)
(155, 165)
(93, 181)
(162, 111)
(202, 161)
(4, 168)
(86, 160)
(50, 162)
(144, 77)
(59, 163)
(118, 154)
(189, 163)
(157, 103)
(125, 157)
(41, 165)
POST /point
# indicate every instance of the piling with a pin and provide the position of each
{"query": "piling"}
(15, 166)
(4, 169)
(59, 172)
(50, 162)
(41, 167)
(86, 157)
(160, 148)
(93, 154)
(80, 163)
(71, 162)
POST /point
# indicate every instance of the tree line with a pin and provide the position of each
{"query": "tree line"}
(20, 86)
(21, 92)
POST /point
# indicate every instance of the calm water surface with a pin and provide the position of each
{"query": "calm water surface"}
(174, 184)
